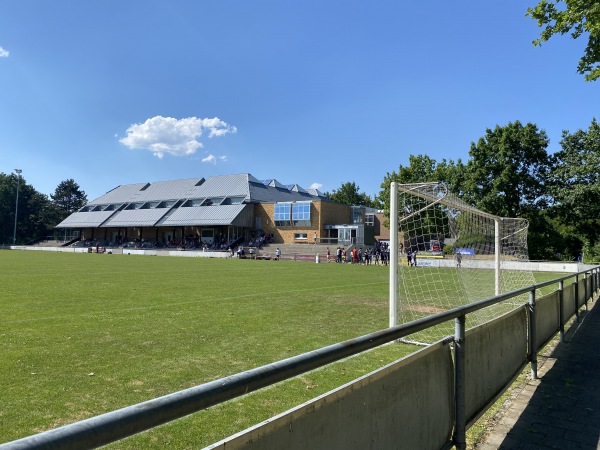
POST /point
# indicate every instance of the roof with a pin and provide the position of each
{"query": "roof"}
(139, 204)
(135, 218)
(85, 219)
(205, 215)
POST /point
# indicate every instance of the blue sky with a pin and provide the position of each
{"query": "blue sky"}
(316, 93)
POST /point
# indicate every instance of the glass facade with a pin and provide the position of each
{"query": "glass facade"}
(283, 214)
(288, 214)
(301, 214)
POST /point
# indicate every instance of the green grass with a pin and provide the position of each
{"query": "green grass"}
(84, 334)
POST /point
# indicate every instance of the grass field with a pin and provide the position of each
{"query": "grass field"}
(84, 334)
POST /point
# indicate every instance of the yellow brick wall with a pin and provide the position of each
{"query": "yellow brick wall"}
(321, 213)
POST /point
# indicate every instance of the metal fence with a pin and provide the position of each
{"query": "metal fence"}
(541, 319)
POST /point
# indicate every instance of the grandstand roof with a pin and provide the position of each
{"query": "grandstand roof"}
(218, 200)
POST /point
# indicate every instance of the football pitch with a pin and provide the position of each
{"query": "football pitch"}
(84, 334)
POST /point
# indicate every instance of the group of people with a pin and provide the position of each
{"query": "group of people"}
(260, 240)
(370, 256)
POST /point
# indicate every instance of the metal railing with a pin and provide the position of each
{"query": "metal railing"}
(125, 422)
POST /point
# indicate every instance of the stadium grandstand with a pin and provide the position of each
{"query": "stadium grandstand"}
(219, 213)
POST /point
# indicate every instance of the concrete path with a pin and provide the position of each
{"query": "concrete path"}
(560, 410)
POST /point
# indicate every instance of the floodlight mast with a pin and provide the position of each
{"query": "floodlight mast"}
(18, 172)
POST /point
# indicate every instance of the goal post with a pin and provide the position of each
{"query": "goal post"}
(393, 254)
(445, 253)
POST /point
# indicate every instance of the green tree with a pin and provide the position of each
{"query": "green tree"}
(8, 191)
(349, 194)
(68, 198)
(420, 169)
(578, 17)
(32, 212)
(575, 185)
(507, 170)
(507, 176)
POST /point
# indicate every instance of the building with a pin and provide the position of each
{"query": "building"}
(223, 210)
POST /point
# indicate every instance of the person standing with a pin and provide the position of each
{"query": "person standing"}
(277, 254)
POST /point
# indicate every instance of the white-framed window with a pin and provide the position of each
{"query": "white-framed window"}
(301, 214)
(283, 214)
(300, 236)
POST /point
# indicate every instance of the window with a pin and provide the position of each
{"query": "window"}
(370, 219)
(233, 201)
(193, 202)
(300, 236)
(287, 214)
(358, 214)
(212, 201)
(301, 214)
(283, 214)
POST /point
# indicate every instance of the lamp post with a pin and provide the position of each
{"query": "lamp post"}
(18, 172)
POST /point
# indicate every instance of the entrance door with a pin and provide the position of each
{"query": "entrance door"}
(344, 236)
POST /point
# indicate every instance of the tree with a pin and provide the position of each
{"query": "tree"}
(575, 184)
(577, 17)
(507, 170)
(507, 175)
(349, 194)
(33, 209)
(68, 198)
(420, 169)
(8, 191)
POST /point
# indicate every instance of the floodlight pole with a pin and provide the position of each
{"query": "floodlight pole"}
(18, 172)
(497, 252)
(393, 254)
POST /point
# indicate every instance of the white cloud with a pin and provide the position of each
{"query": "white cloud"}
(178, 137)
(316, 186)
(4, 53)
(210, 159)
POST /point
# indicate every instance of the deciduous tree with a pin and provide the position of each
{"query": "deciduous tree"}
(579, 17)
(575, 183)
(507, 170)
(349, 194)
(420, 169)
(32, 213)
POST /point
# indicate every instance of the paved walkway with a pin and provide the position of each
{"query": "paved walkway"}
(560, 410)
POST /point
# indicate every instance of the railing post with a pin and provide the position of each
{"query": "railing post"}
(577, 298)
(460, 425)
(561, 306)
(532, 339)
(585, 290)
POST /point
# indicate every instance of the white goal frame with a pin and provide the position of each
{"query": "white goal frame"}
(442, 198)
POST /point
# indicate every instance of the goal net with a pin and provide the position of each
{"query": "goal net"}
(451, 254)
